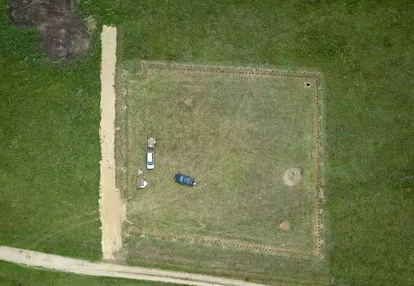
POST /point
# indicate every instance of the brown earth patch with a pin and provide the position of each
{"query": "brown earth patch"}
(66, 40)
(188, 102)
(63, 36)
(284, 226)
(292, 176)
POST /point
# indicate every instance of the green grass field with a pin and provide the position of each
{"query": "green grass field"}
(220, 128)
(49, 148)
(364, 49)
(12, 275)
(237, 134)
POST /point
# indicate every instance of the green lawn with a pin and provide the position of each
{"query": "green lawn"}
(49, 148)
(364, 49)
(12, 274)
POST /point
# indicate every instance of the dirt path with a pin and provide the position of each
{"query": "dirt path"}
(111, 207)
(65, 264)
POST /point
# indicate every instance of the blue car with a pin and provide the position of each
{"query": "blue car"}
(185, 180)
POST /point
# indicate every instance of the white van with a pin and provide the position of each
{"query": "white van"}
(150, 159)
(150, 153)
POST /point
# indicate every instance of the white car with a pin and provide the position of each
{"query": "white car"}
(150, 159)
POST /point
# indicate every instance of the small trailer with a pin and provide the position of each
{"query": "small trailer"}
(185, 180)
(151, 142)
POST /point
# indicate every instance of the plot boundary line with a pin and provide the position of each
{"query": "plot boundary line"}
(146, 65)
(248, 71)
(224, 243)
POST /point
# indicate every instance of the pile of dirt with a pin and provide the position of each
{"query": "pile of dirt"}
(68, 40)
(284, 226)
(188, 102)
(292, 176)
(64, 37)
(35, 13)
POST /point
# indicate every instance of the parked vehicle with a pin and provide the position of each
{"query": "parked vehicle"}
(151, 153)
(185, 180)
(150, 159)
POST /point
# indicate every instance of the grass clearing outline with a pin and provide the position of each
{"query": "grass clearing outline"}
(207, 240)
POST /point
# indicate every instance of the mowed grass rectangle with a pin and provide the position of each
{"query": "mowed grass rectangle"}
(236, 135)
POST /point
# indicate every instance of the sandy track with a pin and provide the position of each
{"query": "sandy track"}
(112, 209)
(60, 263)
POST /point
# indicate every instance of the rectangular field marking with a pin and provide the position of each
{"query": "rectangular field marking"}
(147, 66)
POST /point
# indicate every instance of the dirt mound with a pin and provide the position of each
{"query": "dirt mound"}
(64, 38)
(292, 176)
(284, 226)
(34, 13)
(188, 102)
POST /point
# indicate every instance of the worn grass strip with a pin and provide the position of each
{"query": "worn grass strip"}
(319, 164)
(220, 242)
(146, 65)
(146, 68)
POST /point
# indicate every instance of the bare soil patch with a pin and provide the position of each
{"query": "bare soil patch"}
(66, 40)
(111, 207)
(63, 36)
(34, 13)
(292, 176)
(188, 102)
(284, 226)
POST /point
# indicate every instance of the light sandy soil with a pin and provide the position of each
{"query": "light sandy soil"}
(111, 207)
(292, 176)
(65, 264)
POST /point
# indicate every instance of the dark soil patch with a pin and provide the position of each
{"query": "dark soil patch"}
(64, 37)
(66, 40)
(35, 13)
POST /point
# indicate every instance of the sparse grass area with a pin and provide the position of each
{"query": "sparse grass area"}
(49, 148)
(225, 262)
(12, 274)
(237, 135)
